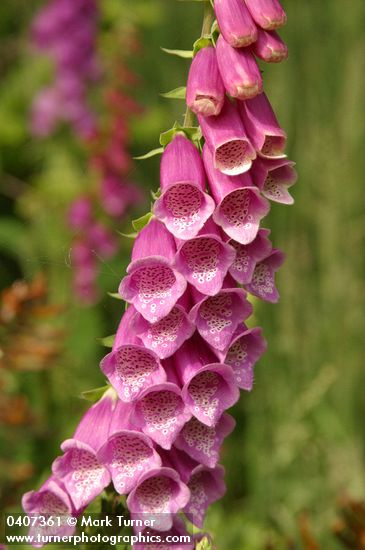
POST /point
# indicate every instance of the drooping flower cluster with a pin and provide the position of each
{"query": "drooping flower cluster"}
(183, 349)
(66, 30)
(110, 156)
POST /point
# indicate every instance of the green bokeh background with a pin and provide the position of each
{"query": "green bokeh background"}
(300, 437)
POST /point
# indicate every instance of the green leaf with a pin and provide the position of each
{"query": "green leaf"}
(141, 222)
(108, 341)
(95, 394)
(177, 93)
(185, 54)
(154, 152)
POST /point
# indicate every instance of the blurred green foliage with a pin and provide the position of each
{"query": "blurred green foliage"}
(300, 437)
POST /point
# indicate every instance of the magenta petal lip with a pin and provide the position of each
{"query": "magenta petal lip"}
(184, 208)
(263, 280)
(279, 177)
(240, 212)
(127, 455)
(227, 140)
(262, 127)
(161, 413)
(210, 391)
(206, 486)
(217, 317)
(244, 351)
(247, 256)
(203, 442)
(33, 501)
(160, 494)
(81, 473)
(153, 287)
(131, 369)
(166, 336)
(53, 500)
(205, 261)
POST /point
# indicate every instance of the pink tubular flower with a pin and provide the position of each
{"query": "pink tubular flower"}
(45, 111)
(167, 335)
(273, 177)
(247, 256)
(73, 54)
(179, 461)
(205, 260)
(268, 14)
(239, 70)
(240, 207)
(226, 137)
(235, 22)
(130, 367)
(205, 89)
(160, 413)
(127, 455)
(209, 387)
(152, 285)
(270, 47)
(263, 279)
(203, 442)
(217, 317)
(80, 213)
(51, 499)
(117, 195)
(206, 486)
(160, 494)
(246, 348)
(183, 206)
(79, 469)
(93, 428)
(103, 240)
(262, 126)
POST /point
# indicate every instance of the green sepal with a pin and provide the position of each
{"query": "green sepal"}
(185, 54)
(115, 295)
(108, 341)
(95, 394)
(204, 544)
(191, 132)
(152, 153)
(177, 93)
(132, 235)
(141, 222)
(156, 194)
(202, 42)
